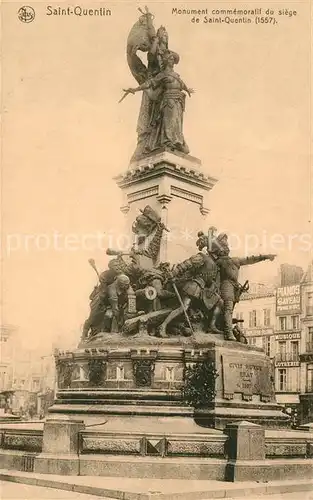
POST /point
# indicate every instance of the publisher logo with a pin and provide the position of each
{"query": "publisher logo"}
(26, 14)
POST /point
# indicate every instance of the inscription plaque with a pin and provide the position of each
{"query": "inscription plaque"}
(246, 376)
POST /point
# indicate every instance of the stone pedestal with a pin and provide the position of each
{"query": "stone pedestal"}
(176, 187)
(138, 382)
(61, 436)
(246, 441)
(60, 447)
(246, 445)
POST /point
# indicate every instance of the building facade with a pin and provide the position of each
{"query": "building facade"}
(7, 350)
(272, 324)
(289, 343)
(26, 378)
(306, 356)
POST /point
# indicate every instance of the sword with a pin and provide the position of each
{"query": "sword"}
(123, 97)
(241, 289)
(126, 92)
(182, 305)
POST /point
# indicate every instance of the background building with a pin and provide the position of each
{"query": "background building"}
(289, 275)
(289, 342)
(7, 343)
(27, 378)
(272, 321)
(306, 397)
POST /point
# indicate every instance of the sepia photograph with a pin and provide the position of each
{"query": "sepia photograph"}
(156, 328)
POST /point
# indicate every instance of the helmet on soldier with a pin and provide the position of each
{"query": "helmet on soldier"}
(123, 281)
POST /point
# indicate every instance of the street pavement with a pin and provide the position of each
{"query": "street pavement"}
(298, 495)
(16, 491)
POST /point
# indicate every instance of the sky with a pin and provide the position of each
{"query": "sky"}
(64, 138)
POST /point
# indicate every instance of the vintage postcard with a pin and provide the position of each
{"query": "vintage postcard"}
(156, 232)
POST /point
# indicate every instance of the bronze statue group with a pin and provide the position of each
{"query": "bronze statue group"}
(138, 295)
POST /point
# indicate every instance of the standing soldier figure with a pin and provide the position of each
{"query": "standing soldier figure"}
(230, 288)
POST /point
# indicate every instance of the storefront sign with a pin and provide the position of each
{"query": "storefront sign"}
(259, 332)
(288, 336)
(288, 300)
(284, 364)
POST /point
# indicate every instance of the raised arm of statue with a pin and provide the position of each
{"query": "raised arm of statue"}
(152, 83)
(254, 259)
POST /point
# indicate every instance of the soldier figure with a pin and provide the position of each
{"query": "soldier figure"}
(95, 322)
(230, 288)
(97, 297)
(197, 282)
(116, 301)
(156, 277)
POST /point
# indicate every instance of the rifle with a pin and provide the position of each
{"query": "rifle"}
(117, 253)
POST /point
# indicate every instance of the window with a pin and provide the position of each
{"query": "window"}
(294, 351)
(35, 384)
(309, 304)
(295, 322)
(293, 380)
(252, 319)
(239, 315)
(282, 347)
(2, 380)
(252, 340)
(283, 323)
(282, 379)
(267, 317)
(309, 344)
(309, 384)
(267, 345)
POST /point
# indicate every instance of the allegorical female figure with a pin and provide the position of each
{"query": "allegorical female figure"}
(165, 126)
(156, 99)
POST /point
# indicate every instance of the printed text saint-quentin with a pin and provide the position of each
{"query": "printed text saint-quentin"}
(77, 10)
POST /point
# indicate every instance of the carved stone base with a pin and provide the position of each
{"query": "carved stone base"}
(244, 389)
(114, 378)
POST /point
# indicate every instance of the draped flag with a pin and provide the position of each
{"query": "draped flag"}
(140, 38)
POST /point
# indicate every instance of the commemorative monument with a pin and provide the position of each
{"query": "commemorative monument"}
(163, 382)
(160, 339)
